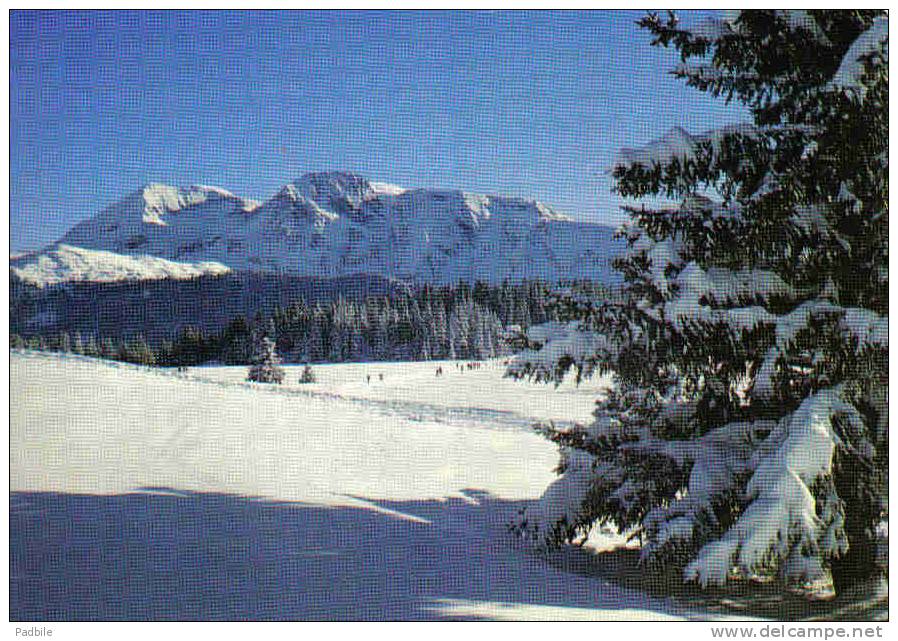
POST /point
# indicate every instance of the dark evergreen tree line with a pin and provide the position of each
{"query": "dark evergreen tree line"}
(132, 350)
(463, 321)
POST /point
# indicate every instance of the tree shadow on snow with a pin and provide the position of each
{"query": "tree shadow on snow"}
(163, 554)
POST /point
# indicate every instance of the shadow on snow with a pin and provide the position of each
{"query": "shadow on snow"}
(163, 554)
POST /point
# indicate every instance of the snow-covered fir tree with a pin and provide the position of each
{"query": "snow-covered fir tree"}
(308, 375)
(747, 429)
(137, 351)
(266, 366)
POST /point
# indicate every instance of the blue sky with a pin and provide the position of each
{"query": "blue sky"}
(523, 103)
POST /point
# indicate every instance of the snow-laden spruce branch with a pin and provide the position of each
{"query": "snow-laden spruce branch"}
(747, 429)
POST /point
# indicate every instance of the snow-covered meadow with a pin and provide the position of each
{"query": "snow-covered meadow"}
(154, 494)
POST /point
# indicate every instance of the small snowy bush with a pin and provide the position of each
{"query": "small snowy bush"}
(308, 376)
(747, 431)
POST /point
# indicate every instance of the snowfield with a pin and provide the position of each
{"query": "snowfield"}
(151, 494)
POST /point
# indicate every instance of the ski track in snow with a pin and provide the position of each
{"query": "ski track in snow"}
(189, 496)
(484, 418)
(418, 412)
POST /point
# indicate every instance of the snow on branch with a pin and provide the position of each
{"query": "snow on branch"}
(739, 299)
(865, 327)
(718, 459)
(678, 144)
(555, 347)
(871, 44)
(557, 514)
(698, 292)
(702, 72)
(781, 520)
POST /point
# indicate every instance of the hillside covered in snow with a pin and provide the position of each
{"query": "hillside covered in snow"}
(325, 225)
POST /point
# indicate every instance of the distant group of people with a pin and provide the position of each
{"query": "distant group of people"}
(439, 371)
(461, 367)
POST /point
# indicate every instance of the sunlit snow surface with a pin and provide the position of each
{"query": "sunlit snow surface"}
(152, 494)
(64, 264)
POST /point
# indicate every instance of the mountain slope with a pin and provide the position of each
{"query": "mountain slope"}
(330, 225)
(65, 263)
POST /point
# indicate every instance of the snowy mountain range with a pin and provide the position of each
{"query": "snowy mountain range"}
(325, 225)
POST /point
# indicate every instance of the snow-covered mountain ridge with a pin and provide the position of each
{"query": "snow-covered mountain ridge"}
(328, 225)
(65, 263)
